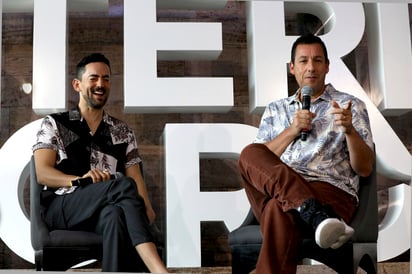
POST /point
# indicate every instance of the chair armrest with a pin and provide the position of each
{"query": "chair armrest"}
(38, 228)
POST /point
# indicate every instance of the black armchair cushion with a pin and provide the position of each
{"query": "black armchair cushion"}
(67, 238)
(246, 235)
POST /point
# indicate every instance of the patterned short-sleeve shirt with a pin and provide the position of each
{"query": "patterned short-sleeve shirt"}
(112, 147)
(324, 156)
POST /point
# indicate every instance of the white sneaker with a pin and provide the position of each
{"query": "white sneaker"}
(332, 233)
(343, 238)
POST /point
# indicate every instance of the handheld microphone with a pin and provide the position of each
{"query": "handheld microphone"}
(88, 180)
(306, 93)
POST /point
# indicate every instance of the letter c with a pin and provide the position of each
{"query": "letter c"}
(14, 219)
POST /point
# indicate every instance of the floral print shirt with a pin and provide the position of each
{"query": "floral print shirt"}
(112, 147)
(324, 156)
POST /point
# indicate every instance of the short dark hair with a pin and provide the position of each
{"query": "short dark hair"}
(305, 40)
(91, 58)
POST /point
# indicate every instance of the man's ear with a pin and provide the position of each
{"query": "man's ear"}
(76, 85)
(291, 68)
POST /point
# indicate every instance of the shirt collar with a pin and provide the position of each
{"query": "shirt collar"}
(325, 96)
(74, 115)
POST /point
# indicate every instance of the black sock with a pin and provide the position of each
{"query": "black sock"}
(312, 213)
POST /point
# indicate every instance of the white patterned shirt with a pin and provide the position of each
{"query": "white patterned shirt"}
(324, 156)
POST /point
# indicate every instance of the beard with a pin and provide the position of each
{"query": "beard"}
(99, 101)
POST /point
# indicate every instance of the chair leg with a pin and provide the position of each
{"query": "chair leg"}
(365, 257)
(243, 262)
(38, 260)
(368, 265)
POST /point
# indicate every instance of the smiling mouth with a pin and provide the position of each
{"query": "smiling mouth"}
(99, 92)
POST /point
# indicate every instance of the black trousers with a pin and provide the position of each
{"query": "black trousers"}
(112, 209)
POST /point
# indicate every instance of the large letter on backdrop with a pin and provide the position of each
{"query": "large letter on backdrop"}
(14, 224)
(49, 55)
(390, 63)
(390, 58)
(186, 205)
(145, 40)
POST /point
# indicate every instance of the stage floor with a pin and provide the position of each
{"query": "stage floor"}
(386, 268)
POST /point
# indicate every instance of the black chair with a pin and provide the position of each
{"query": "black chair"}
(361, 250)
(59, 250)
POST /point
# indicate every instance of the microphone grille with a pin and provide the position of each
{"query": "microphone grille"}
(306, 90)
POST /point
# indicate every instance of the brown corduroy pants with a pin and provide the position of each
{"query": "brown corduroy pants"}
(274, 190)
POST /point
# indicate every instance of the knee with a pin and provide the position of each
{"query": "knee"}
(122, 188)
(126, 184)
(112, 215)
(250, 151)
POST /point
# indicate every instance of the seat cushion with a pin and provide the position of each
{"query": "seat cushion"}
(244, 235)
(62, 238)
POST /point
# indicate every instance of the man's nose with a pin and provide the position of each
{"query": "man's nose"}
(310, 65)
(100, 82)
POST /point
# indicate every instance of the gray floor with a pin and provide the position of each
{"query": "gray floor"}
(383, 268)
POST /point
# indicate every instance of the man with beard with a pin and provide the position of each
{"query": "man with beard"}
(86, 142)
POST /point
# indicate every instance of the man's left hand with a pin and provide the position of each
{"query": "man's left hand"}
(343, 116)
